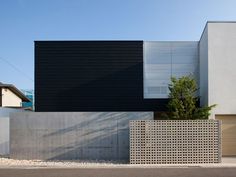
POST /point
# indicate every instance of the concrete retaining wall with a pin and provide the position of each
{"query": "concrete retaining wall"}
(4, 129)
(77, 135)
(4, 136)
(175, 142)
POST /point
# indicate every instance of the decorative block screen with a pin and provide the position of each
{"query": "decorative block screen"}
(175, 142)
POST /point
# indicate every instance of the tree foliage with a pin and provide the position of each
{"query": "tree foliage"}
(183, 100)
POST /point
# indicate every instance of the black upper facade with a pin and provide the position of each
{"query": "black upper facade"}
(73, 76)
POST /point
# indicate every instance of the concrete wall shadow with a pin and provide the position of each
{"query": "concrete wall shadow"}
(73, 136)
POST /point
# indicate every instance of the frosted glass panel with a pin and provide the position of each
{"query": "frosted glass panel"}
(165, 59)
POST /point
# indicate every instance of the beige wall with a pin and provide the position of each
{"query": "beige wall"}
(10, 99)
(228, 129)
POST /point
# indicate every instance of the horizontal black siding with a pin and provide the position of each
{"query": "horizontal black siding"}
(91, 76)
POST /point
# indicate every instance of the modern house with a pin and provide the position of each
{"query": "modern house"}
(107, 83)
(76, 76)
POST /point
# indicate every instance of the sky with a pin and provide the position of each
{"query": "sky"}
(24, 21)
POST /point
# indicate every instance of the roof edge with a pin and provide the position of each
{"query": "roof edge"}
(16, 91)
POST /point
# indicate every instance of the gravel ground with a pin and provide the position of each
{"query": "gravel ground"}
(7, 162)
(39, 163)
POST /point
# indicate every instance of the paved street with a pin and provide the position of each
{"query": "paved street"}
(120, 172)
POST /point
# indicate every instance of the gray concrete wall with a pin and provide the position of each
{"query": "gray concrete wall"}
(78, 135)
(4, 136)
(5, 112)
(4, 129)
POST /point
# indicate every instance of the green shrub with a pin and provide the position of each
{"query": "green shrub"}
(183, 100)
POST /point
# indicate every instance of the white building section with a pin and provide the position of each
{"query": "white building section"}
(221, 67)
(162, 60)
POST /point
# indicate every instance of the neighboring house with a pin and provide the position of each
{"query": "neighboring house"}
(10, 102)
(77, 76)
(10, 96)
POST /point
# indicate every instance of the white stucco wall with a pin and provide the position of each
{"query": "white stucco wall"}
(10, 99)
(222, 67)
(165, 59)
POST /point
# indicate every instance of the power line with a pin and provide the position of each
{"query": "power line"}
(17, 69)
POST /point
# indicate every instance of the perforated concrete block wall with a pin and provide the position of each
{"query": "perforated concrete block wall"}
(175, 142)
